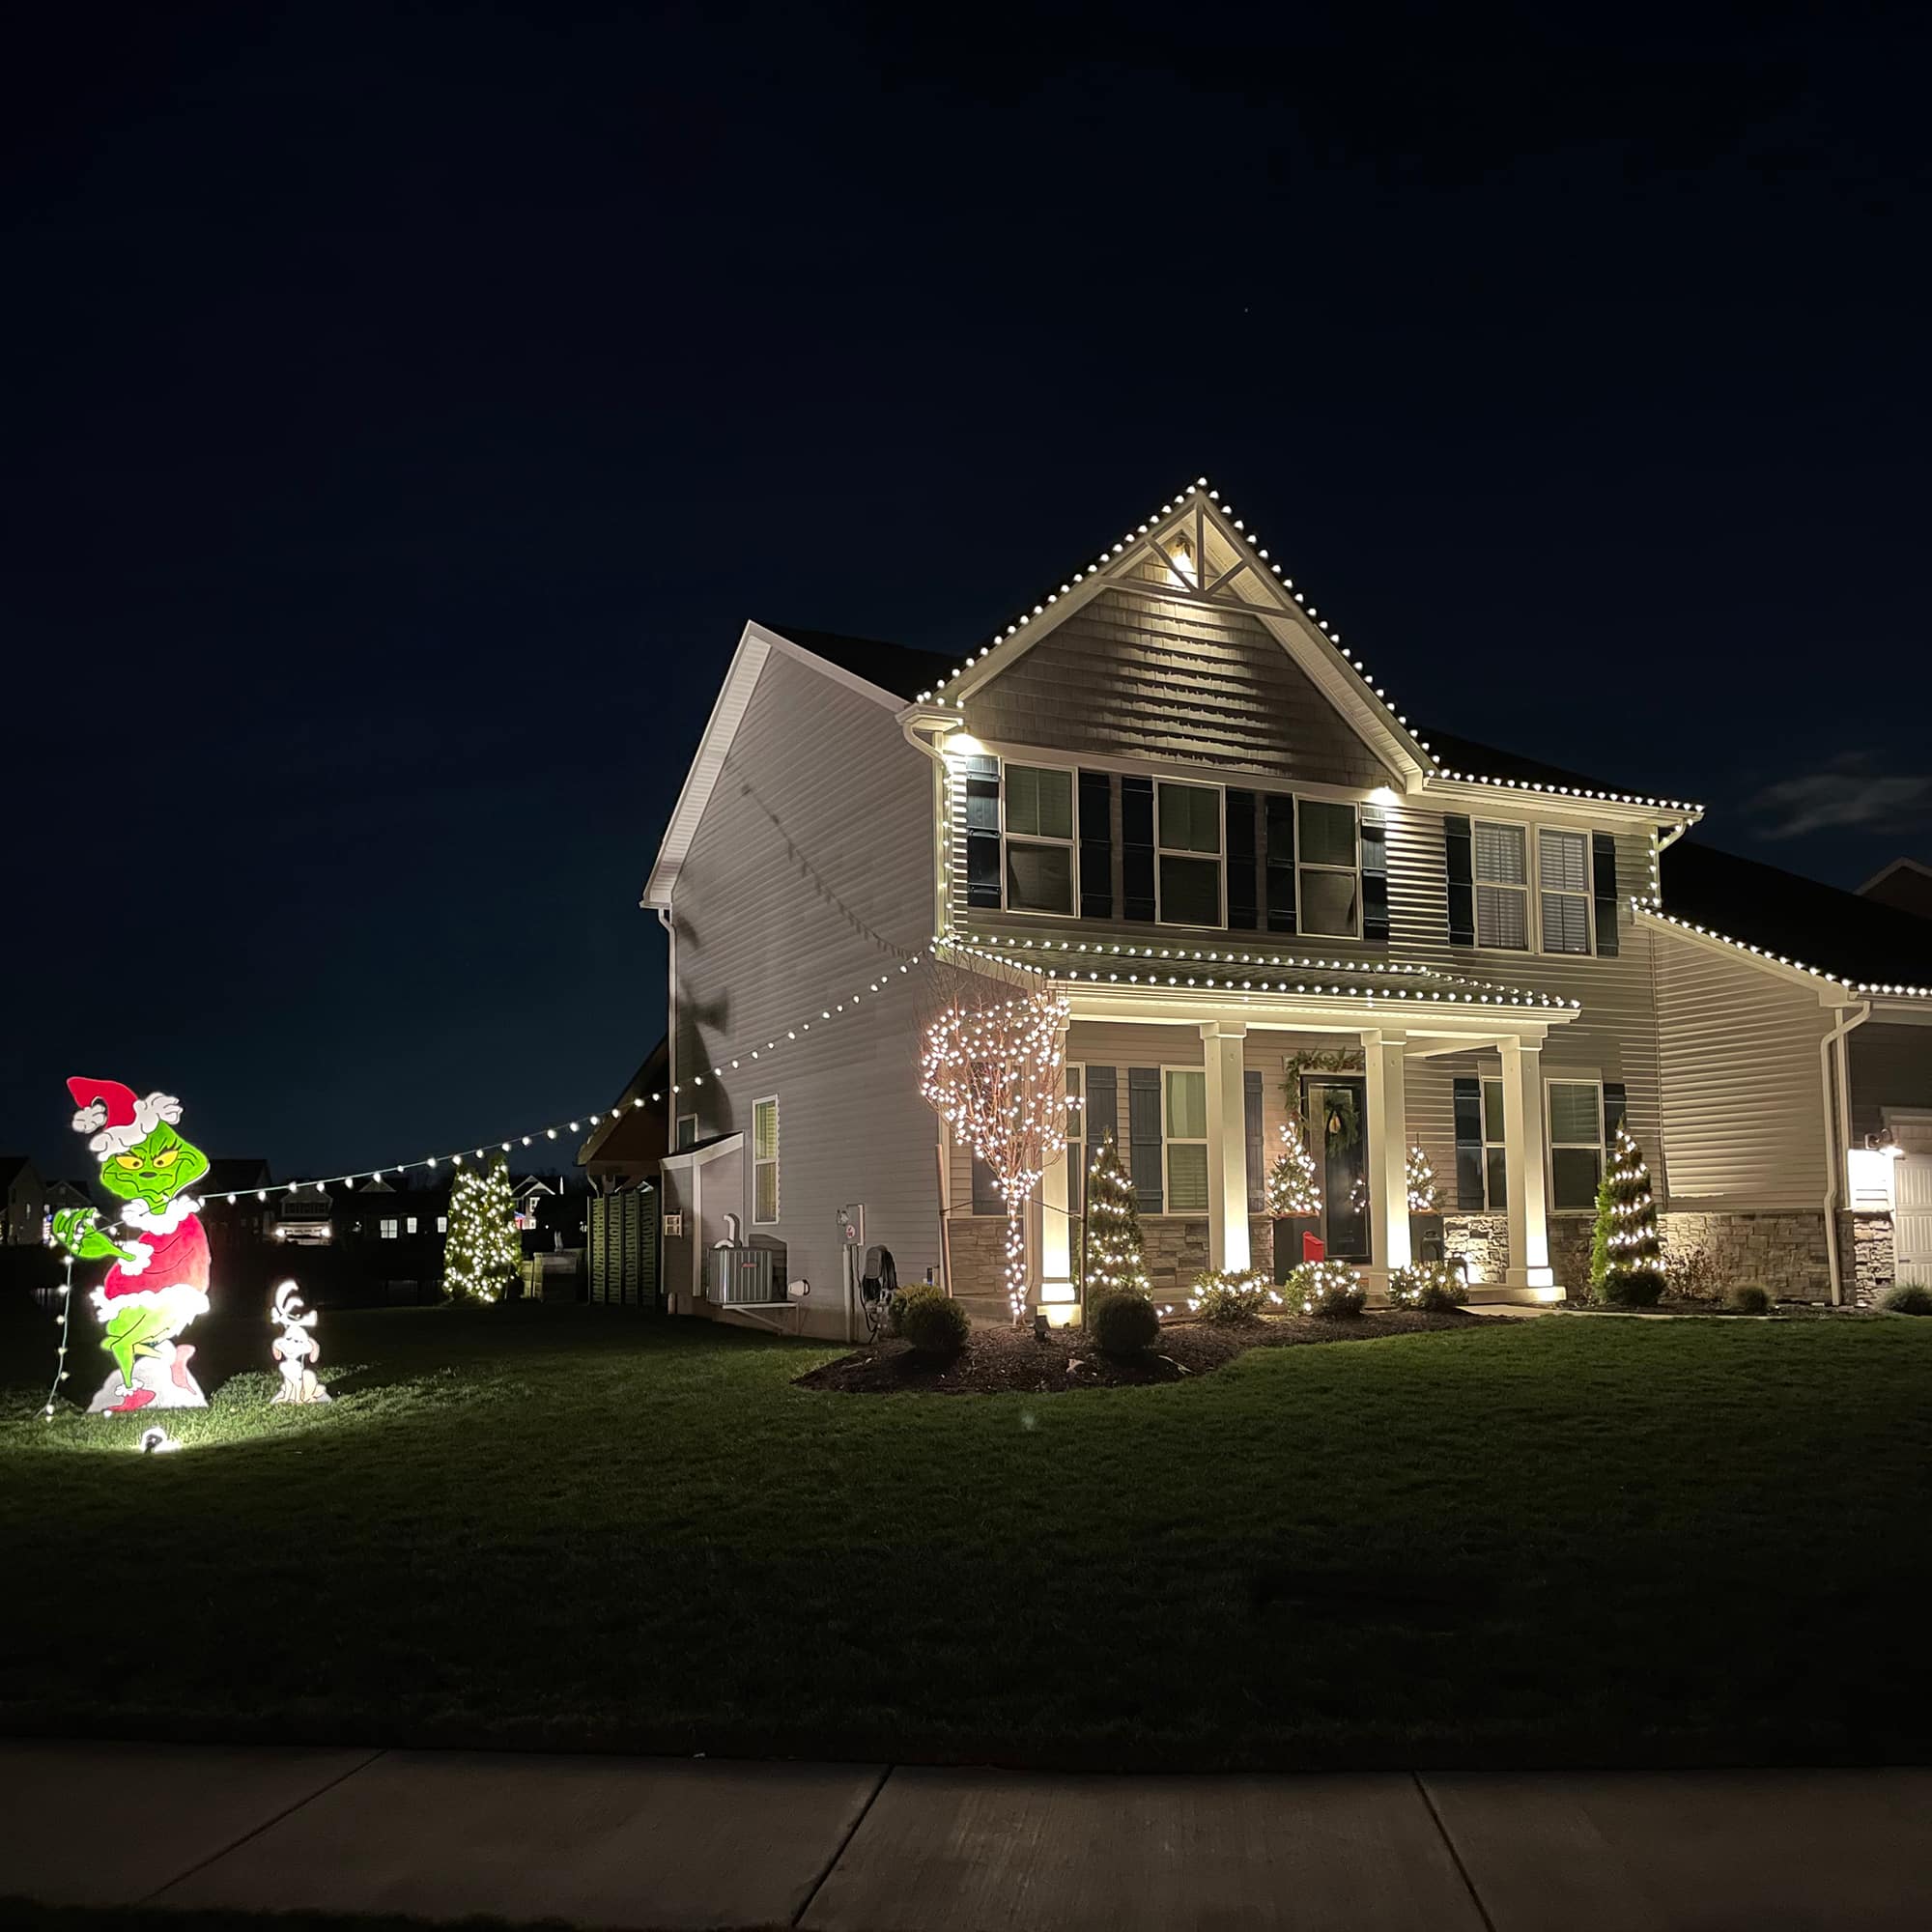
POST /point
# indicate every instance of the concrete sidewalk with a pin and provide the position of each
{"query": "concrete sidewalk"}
(676, 1844)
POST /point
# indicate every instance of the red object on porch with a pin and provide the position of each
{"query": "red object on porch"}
(1311, 1249)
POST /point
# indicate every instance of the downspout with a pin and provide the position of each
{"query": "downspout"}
(1834, 1158)
(671, 1025)
(942, 833)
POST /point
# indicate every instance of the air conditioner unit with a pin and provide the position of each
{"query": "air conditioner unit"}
(742, 1276)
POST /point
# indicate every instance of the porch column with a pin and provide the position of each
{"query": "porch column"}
(1224, 1044)
(1386, 1131)
(1524, 1164)
(1056, 1235)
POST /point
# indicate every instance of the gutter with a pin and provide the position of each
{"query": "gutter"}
(1848, 1022)
(911, 724)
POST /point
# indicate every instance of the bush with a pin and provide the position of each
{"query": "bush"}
(1907, 1298)
(932, 1321)
(1749, 1301)
(1123, 1323)
(1693, 1275)
(1633, 1288)
(1231, 1296)
(1330, 1289)
(1430, 1285)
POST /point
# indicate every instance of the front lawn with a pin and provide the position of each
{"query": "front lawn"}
(1572, 1542)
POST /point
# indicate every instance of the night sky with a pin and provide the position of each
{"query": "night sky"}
(408, 406)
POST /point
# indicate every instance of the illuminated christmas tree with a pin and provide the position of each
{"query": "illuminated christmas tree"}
(483, 1254)
(1424, 1197)
(1627, 1257)
(1291, 1187)
(1115, 1259)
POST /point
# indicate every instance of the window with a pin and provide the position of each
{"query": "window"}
(1495, 1185)
(410, 1224)
(1563, 881)
(442, 1224)
(1575, 1141)
(1188, 855)
(765, 1161)
(387, 1228)
(1038, 846)
(686, 1130)
(1185, 1134)
(1502, 885)
(1330, 879)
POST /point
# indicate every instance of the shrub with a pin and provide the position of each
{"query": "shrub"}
(1908, 1298)
(1329, 1289)
(1233, 1295)
(1633, 1288)
(932, 1321)
(1693, 1275)
(1432, 1285)
(1749, 1301)
(1123, 1323)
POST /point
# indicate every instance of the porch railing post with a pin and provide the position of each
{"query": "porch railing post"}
(1523, 1163)
(1224, 1048)
(1385, 1132)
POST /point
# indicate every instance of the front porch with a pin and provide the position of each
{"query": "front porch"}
(1195, 1081)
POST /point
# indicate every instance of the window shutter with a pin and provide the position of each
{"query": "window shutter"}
(1243, 880)
(1459, 859)
(1603, 864)
(983, 830)
(1103, 1108)
(1251, 1100)
(986, 1199)
(1279, 833)
(1375, 877)
(1144, 1134)
(1469, 1145)
(1137, 848)
(1616, 1103)
(1096, 845)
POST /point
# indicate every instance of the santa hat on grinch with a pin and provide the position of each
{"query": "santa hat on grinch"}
(116, 1116)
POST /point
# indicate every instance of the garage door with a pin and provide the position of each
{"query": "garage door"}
(1912, 1218)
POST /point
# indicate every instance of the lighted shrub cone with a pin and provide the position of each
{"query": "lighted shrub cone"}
(1116, 1258)
(1294, 1196)
(1626, 1255)
(157, 1282)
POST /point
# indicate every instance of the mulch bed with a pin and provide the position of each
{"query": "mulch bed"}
(1006, 1360)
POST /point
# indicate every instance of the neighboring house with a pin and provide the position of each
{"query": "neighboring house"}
(237, 1210)
(621, 1157)
(1169, 785)
(26, 1203)
(61, 1195)
(1905, 885)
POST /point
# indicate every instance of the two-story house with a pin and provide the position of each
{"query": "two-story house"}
(1170, 785)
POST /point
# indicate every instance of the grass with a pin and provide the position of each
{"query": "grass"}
(1579, 1542)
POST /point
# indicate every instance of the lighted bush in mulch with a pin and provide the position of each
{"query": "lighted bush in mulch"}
(1008, 1360)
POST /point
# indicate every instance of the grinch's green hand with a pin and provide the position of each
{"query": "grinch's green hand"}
(77, 1230)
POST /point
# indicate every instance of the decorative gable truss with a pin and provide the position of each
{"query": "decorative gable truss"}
(1193, 605)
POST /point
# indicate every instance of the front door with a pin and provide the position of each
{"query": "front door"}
(1912, 1219)
(1336, 1110)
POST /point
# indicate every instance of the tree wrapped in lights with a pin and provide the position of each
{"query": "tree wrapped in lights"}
(993, 1069)
(483, 1254)
(1116, 1259)
(1293, 1188)
(1425, 1195)
(1627, 1257)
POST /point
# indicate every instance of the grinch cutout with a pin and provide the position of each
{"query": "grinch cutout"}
(297, 1351)
(158, 1280)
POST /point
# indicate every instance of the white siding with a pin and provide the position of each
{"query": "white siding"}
(817, 836)
(1891, 1067)
(1744, 1112)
